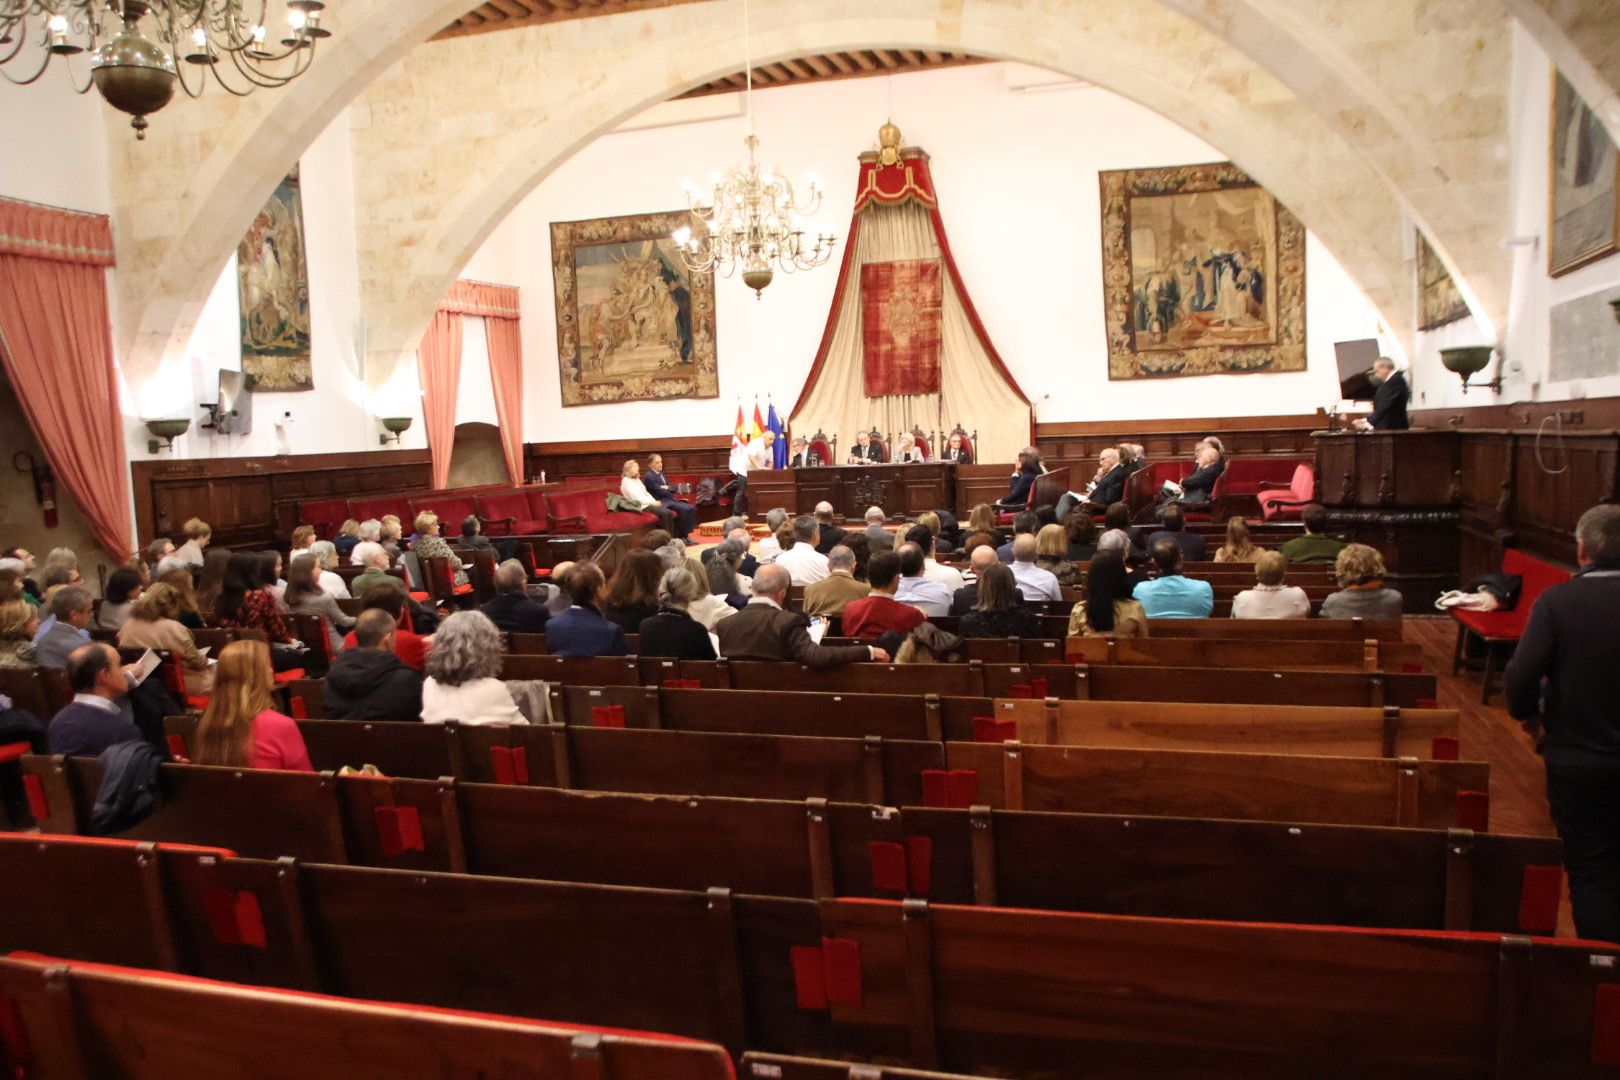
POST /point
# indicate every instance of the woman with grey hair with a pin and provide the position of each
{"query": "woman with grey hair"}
(673, 631)
(324, 552)
(463, 674)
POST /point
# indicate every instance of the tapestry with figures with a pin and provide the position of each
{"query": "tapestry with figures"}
(272, 277)
(1203, 274)
(633, 323)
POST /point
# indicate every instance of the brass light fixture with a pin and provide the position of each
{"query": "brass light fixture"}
(396, 426)
(140, 50)
(164, 432)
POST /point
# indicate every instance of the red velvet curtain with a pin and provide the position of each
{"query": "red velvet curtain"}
(56, 343)
(506, 377)
(439, 360)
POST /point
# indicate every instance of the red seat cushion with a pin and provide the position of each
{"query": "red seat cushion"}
(326, 515)
(498, 506)
(1536, 575)
(571, 508)
(398, 505)
(538, 508)
(451, 509)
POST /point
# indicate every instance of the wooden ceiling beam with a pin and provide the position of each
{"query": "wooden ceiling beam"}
(844, 65)
(547, 11)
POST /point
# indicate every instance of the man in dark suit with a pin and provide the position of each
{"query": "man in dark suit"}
(581, 630)
(804, 457)
(831, 534)
(1193, 548)
(1389, 400)
(865, 450)
(513, 610)
(659, 487)
(966, 598)
(93, 720)
(764, 631)
(1199, 486)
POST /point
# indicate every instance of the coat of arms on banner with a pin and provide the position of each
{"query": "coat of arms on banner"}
(272, 278)
(1203, 274)
(633, 323)
(900, 305)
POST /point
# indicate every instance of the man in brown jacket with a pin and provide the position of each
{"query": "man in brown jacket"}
(764, 631)
(829, 595)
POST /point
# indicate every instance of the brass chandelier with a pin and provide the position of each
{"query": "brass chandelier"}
(753, 220)
(140, 50)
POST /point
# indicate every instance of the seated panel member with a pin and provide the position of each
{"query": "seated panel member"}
(804, 457)
(659, 487)
(907, 452)
(865, 450)
(957, 450)
(631, 487)
(1029, 468)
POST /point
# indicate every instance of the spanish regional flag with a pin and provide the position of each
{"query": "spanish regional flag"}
(739, 434)
(759, 423)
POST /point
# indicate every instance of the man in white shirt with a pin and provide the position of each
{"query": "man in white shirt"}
(804, 564)
(755, 454)
(933, 570)
(1034, 583)
(930, 597)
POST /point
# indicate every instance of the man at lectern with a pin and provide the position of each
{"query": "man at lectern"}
(1389, 400)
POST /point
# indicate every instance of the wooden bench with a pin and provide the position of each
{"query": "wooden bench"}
(84, 1019)
(1306, 655)
(1500, 630)
(994, 990)
(757, 1066)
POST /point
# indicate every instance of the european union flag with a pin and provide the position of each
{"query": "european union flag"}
(779, 451)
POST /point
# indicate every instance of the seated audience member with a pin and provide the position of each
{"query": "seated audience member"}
(981, 522)
(1172, 595)
(198, 533)
(957, 450)
(633, 594)
(369, 681)
(1196, 488)
(634, 491)
(926, 535)
(832, 594)
(472, 537)
(724, 581)
(1023, 481)
(914, 588)
(1133, 455)
(827, 528)
(1238, 547)
(1118, 516)
(1108, 609)
(58, 578)
(1034, 582)
(877, 537)
(771, 547)
(864, 450)
(463, 675)
(856, 542)
(1080, 530)
(430, 545)
(211, 582)
(122, 591)
(1106, 488)
(736, 530)
(1270, 598)
(19, 622)
(966, 598)
(185, 590)
(95, 719)
(389, 536)
(708, 609)
(1315, 546)
(804, 564)
(375, 560)
(370, 531)
(326, 558)
(764, 631)
(302, 537)
(513, 610)
(154, 623)
(348, 535)
(1191, 544)
(239, 728)
(907, 452)
(673, 632)
(25, 565)
(269, 573)
(1052, 554)
(66, 628)
(879, 612)
(304, 596)
(661, 489)
(1360, 573)
(557, 600)
(245, 603)
(582, 630)
(1025, 523)
(410, 647)
(1000, 612)
(156, 552)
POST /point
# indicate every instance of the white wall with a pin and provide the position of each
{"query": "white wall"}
(1527, 335)
(54, 144)
(1017, 180)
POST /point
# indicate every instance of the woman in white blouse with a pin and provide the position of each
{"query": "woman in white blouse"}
(631, 487)
(1270, 598)
(463, 674)
(325, 553)
(908, 452)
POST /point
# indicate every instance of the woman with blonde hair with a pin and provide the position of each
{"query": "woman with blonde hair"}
(348, 535)
(982, 522)
(430, 545)
(1238, 546)
(1052, 553)
(1360, 573)
(19, 622)
(632, 488)
(198, 534)
(239, 728)
(154, 623)
(1270, 598)
(389, 536)
(184, 585)
(463, 674)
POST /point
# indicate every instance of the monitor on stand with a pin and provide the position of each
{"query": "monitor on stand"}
(1356, 360)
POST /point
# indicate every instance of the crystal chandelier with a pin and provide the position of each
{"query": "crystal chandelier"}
(141, 49)
(753, 220)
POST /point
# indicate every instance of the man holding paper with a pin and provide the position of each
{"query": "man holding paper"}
(93, 720)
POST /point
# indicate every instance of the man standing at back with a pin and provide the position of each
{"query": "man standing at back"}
(764, 631)
(1566, 672)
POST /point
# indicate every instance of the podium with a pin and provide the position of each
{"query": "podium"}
(898, 489)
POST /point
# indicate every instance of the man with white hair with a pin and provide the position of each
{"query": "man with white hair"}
(966, 598)
(1034, 582)
(769, 549)
(831, 534)
(804, 563)
(764, 631)
(370, 533)
(877, 537)
(513, 610)
(374, 557)
(830, 595)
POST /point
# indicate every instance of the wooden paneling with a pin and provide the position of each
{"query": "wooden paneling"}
(1407, 469)
(606, 457)
(1586, 414)
(1168, 439)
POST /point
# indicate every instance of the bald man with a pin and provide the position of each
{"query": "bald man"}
(764, 631)
(966, 598)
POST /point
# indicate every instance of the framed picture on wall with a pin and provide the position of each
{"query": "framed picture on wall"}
(1439, 301)
(1583, 215)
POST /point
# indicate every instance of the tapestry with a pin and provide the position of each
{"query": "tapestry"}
(1583, 212)
(272, 278)
(1439, 302)
(900, 305)
(633, 323)
(1203, 274)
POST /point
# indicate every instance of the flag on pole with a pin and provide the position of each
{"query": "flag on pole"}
(779, 452)
(759, 422)
(739, 434)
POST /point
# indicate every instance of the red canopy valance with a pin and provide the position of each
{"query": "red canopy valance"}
(481, 298)
(891, 185)
(54, 234)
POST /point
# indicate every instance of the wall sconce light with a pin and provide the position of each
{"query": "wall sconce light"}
(1469, 360)
(164, 433)
(397, 426)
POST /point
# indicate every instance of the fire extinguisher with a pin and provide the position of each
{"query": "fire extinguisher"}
(44, 484)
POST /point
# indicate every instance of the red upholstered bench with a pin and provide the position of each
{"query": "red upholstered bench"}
(1236, 492)
(1285, 501)
(326, 516)
(1499, 628)
(510, 513)
(398, 505)
(450, 507)
(585, 510)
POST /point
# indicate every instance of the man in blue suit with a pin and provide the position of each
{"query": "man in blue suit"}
(581, 630)
(659, 487)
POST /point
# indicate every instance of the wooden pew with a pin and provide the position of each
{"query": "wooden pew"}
(774, 712)
(1281, 629)
(759, 1066)
(1259, 687)
(995, 990)
(1271, 729)
(1304, 655)
(87, 1020)
(1201, 783)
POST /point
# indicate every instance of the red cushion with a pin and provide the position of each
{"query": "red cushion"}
(1494, 624)
(590, 505)
(537, 503)
(451, 509)
(398, 505)
(496, 507)
(326, 515)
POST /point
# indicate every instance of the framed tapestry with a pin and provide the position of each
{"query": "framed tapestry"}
(1583, 215)
(1203, 274)
(633, 323)
(1439, 302)
(272, 277)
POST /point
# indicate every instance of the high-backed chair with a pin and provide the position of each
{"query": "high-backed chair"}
(325, 516)
(1285, 501)
(920, 437)
(827, 448)
(881, 443)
